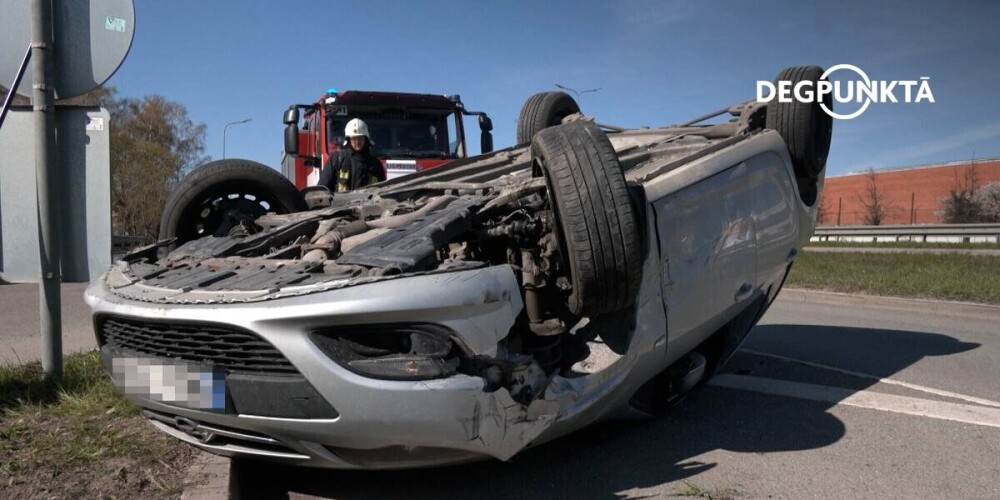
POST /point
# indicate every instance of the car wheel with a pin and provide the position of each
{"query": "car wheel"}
(220, 195)
(806, 129)
(596, 220)
(541, 111)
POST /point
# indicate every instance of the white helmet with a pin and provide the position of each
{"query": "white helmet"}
(357, 128)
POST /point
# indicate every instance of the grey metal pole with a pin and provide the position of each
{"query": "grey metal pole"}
(226, 129)
(47, 186)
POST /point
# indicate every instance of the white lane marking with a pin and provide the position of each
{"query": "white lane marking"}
(888, 381)
(940, 410)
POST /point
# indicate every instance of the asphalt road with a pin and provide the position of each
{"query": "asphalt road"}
(831, 397)
(20, 340)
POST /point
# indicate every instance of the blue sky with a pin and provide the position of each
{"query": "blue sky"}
(656, 62)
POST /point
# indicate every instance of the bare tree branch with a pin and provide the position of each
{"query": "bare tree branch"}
(822, 210)
(874, 201)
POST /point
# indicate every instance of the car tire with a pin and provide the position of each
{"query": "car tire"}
(599, 234)
(541, 111)
(805, 127)
(212, 197)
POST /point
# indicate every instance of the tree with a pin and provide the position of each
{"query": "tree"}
(961, 205)
(874, 202)
(822, 210)
(153, 143)
(987, 199)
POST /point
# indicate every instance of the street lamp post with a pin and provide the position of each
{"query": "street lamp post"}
(225, 129)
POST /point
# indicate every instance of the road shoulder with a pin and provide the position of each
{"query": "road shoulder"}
(948, 307)
(207, 478)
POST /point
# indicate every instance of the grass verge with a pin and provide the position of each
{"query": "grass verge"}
(80, 438)
(968, 278)
(696, 491)
(904, 244)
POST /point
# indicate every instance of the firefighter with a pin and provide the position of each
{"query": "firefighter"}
(354, 167)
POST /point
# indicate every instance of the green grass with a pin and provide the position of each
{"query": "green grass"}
(903, 244)
(969, 278)
(80, 436)
(63, 422)
(693, 490)
(85, 389)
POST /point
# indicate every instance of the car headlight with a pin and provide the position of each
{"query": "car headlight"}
(404, 351)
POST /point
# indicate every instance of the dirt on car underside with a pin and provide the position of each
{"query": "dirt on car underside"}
(473, 213)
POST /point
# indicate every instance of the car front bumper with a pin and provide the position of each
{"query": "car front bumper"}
(378, 423)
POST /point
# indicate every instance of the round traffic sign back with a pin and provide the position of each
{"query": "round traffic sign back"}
(91, 38)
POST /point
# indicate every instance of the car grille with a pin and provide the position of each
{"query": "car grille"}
(224, 347)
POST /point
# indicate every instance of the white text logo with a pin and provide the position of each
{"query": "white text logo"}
(862, 90)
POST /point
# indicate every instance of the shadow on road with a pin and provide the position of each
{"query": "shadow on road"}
(608, 460)
(599, 462)
(868, 350)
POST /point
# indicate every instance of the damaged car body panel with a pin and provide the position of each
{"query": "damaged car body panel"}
(469, 311)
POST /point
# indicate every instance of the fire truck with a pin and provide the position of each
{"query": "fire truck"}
(409, 132)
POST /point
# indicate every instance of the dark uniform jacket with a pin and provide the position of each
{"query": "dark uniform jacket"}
(348, 170)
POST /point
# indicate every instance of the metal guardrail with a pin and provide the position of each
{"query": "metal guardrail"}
(917, 232)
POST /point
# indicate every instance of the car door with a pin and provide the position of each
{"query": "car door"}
(777, 218)
(708, 244)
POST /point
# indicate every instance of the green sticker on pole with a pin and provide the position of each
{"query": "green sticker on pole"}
(115, 24)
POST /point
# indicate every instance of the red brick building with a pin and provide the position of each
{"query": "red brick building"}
(912, 194)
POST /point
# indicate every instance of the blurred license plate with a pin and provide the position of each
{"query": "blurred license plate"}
(180, 384)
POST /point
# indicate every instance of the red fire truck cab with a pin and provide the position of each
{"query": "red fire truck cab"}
(409, 132)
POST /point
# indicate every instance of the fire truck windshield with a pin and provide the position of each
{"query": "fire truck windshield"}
(407, 135)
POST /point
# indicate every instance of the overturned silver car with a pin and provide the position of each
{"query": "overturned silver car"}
(475, 309)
